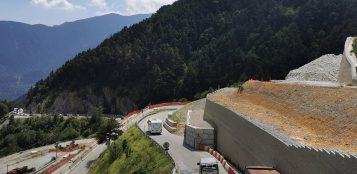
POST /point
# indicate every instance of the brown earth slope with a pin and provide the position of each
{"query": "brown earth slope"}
(323, 117)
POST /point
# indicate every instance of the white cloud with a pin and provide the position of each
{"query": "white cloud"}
(144, 6)
(58, 4)
(102, 4)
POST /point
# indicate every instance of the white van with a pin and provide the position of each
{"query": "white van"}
(208, 166)
(155, 126)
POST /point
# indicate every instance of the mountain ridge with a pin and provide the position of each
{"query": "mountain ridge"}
(29, 52)
(190, 47)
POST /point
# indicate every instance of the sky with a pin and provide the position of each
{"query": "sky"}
(55, 12)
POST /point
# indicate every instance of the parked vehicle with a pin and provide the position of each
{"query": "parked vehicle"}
(22, 170)
(260, 170)
(208, 166)
(155, 126)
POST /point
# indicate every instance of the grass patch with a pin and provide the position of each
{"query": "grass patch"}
(354, 46)
(35, 155)
(180, 116)
(158, 111)
(133, 152)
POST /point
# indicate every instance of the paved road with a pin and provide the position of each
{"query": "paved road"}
(132, 120)
(25, 158)
(83, 166)
(185, 157)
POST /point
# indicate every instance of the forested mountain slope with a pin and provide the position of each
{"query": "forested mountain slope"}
(29, 52)
(193, 45)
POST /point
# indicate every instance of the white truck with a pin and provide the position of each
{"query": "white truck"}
(155, 126)
(208, 166)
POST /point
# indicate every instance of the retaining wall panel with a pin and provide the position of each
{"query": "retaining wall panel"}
(245, 144)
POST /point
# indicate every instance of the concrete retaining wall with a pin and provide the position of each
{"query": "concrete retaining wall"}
(348, 67)
(168, 124)
(245, 144)
(198, 138)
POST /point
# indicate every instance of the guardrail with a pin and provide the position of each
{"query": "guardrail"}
(151, 107)
(221, 159)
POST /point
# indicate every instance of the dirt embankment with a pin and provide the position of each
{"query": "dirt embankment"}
(316, 116)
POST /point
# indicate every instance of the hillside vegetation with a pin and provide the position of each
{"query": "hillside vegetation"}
(193, 45)
(354, 46)
(22, 134)
(30, 52)
(133, 152)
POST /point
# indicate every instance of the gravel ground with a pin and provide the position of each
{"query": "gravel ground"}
(324, 117)
(325, 68)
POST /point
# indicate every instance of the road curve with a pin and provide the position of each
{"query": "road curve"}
(185, 157)
(85, 164)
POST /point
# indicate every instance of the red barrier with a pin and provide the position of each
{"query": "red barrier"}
(166, 104)
(151, 107)
(221, 159)
(231, 171)
(210, 150)
(58, 165)
(217, 155)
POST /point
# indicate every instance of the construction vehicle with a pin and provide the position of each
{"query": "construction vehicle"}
(208, 166)
(155, 126)
(260, 170)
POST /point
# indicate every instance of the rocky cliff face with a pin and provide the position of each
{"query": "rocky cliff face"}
(85, 102)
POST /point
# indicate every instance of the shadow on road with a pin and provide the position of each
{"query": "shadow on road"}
(150, 134)
(89, 163)
(189, 147)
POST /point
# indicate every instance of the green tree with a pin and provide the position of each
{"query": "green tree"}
(108, 131)
(4, 109)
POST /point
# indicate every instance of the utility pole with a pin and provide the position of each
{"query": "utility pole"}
(56, 146)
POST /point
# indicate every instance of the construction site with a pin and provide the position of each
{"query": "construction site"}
(306, 123)
(324, 117)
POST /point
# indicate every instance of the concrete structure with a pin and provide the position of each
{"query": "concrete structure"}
(198, 134)
(169, 124)
(185, 158)
(348, 67)
(245, 143)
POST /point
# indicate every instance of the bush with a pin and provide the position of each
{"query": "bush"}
(133, 152)
(354, 46)
(69, 133)
(35, 132)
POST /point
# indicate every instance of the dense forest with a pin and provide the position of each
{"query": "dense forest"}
(5, 107)
(194, 45)
(354, 46)
(22, 134)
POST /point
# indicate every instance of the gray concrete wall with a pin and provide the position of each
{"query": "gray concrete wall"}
(348, 66)
(169, 125)
(194, 136)
(245, 144)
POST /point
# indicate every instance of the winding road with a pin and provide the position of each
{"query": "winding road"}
(186, 158)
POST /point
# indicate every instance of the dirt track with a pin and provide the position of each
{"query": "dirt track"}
(317, 116)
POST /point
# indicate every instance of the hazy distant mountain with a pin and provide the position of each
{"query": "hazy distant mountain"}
(29, 52)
